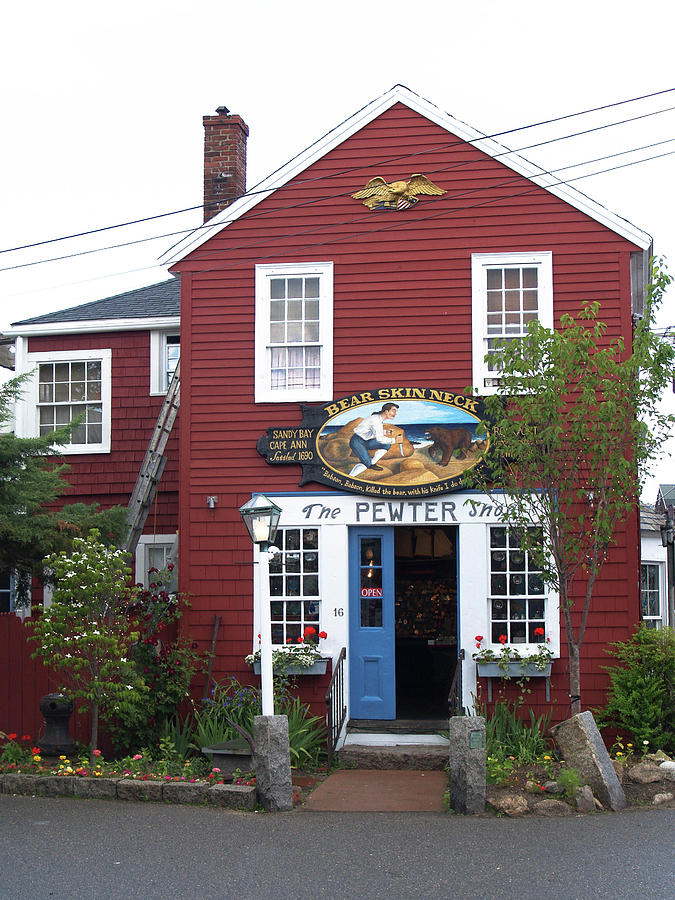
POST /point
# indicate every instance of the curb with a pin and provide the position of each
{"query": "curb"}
(225, 796)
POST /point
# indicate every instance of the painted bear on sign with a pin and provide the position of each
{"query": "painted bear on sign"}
(447, 440)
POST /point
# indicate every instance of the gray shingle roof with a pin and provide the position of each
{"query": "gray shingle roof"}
(650, 518)
(161, 299)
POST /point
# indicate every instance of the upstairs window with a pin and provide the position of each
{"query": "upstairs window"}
(164, 356)
(509, 291)
(69, 391)
(69, 385)
(294, 332)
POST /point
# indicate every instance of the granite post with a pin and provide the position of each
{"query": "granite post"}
(467, 764)
(272, 763)
(582, 748)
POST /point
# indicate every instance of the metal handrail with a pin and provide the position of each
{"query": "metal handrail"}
(336, 708)
(453, 695)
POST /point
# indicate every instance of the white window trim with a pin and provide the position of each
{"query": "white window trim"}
(480, 263)
(158, 385)
(140, 557)
(663, 593)
(27, 424)
(551, 615)
(263, 389)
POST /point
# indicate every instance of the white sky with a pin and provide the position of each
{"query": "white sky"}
(102, 107)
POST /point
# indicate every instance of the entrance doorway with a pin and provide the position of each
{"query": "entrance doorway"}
(425, 565)
(403, 621)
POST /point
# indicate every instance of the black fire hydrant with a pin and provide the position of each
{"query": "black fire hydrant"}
(57, 710)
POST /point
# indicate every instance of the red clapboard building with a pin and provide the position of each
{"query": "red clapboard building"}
(331, 321)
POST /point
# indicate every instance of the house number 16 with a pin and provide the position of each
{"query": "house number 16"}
(338, 611)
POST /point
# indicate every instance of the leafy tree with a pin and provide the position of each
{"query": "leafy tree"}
(31, 482)
(574, 428)
(87, 633)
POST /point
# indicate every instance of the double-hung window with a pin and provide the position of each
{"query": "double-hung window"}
(517, 592)
(164, 356)
(71, 385)
(294, 584)
(294, 332)
(651, 578)
(509, 291)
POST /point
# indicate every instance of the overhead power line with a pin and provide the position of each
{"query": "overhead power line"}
(300, 182)
(368, 216)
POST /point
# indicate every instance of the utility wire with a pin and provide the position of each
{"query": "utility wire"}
(368, 216)
(300, 182)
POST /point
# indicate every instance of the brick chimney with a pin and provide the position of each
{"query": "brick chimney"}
(224, 160)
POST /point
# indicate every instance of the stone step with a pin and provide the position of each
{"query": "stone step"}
(393, 756)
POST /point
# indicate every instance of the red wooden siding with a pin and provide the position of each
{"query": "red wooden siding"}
(109, 478)
(25, 682)
(402, 315)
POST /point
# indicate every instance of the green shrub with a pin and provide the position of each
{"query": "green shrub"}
(641, 697)
(507, 735)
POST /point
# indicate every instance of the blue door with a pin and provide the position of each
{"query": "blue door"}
(372, 670)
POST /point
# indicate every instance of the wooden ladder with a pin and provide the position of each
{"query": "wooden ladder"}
(153, 465)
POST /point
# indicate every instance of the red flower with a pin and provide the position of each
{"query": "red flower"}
(323, 635)
(539, 632)
(25, 737)
(309, 630)
(11, 737)
(503, 638)
(300, 639)
(289, 640)
(479, 638)
(477, 645)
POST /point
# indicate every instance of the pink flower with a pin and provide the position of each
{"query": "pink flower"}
(97, 752)
(138, 756)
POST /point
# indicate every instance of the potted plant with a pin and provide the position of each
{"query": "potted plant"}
(301, 658)
(510, 662)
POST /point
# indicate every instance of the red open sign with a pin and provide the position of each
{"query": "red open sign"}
(371, 592)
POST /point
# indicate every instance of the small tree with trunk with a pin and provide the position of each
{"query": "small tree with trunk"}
(87, 634)
(574, 428)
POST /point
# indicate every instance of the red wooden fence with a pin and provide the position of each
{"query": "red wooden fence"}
(23, 681)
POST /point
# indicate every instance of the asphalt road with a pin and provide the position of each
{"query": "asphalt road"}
(98, 850)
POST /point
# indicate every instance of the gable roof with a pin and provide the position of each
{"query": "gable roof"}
(651, 519)
(665, 496)
(401, 94)
(155, 301)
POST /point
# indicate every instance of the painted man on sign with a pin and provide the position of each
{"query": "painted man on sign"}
(372, 434)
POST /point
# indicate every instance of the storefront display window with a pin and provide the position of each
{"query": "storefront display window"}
(294, 584)
(517, 598)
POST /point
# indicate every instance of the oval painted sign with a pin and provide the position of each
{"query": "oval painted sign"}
(389, 442)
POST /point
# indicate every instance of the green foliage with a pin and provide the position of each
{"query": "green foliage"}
(570, 781)
(641, 697)
(31, 478)
(235, 703)
(86, 633)
(167, 666)
(306, 734)
(574, 429)
(508, 737)
(13, 753)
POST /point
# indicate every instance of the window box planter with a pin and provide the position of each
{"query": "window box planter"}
(513, 670)
(317, 668)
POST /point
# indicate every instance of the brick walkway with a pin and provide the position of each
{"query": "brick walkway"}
(374, 790)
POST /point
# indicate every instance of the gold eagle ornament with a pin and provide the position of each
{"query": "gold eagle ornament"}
(377, 194)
